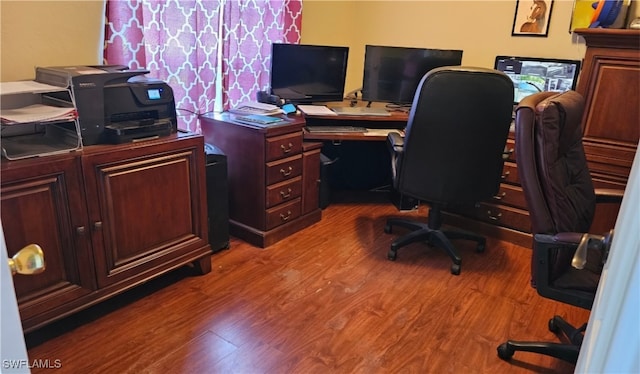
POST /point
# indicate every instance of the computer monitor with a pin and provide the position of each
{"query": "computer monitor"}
(533, 74)
(303, 73)
(392, 74)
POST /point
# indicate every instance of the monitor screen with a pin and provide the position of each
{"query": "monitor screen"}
(532, 74)
(392, 74)
(308, 73)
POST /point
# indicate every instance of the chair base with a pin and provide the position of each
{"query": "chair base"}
(566, 352)
(422, 232)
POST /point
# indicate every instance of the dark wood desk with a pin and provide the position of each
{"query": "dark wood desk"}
(376, 125)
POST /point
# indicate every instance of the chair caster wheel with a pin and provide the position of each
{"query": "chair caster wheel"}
(392, 255)
(480, 248)
(553, 326)
(455, 269)
(505, 352)
(387, 228)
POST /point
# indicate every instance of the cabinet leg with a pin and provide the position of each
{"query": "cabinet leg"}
(203, 265)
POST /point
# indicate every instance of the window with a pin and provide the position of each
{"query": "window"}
(213, 54)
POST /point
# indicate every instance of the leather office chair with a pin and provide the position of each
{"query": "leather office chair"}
(452, 151)
(553, 172)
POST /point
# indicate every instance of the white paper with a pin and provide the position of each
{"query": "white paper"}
(36, 113)
(316, 110)
(8, 88)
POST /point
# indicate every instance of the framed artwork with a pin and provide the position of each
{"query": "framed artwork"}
(532, 18)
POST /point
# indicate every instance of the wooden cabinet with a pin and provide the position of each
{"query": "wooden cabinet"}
(273, 177)
(610, 83)
(108, 218)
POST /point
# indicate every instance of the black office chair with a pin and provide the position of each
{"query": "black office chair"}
(452, 151)
(553, 172)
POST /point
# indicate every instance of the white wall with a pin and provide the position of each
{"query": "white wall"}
(481, 28)
(48, 33)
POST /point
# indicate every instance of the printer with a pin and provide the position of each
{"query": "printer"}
(115, 104)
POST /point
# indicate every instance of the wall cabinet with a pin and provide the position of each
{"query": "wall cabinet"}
(273, 177)
(108, 218)
(610, 83)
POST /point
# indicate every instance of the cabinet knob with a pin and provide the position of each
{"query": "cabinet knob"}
(80, 230)
(494, 217)
(287, 172)
(286, 149)
(285, 217)
(284, 195)
(499, 196)
(29, 260)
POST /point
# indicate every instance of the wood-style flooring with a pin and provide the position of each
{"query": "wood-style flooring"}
(325, 300)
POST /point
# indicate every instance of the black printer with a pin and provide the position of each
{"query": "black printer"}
(115, 104)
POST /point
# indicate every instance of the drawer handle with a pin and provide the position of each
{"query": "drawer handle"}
(97, 225)
(284, 195)
(492, 217)
(507, 153)
(505, 175)
(80, 230)
(286, 173)
(285, 149)
(500, 196)
(285, 218)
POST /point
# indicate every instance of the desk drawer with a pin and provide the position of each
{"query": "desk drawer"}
(283, 146)
(284, 191)
(502, 215)
(510, 195)
(283, 213)
(510, 173)
(510, 149)
(278, 171)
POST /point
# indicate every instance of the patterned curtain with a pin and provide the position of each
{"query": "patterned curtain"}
(213, 53)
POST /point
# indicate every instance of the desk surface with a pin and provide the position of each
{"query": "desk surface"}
(379, 126)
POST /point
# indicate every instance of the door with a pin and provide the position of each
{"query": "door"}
(13, 348)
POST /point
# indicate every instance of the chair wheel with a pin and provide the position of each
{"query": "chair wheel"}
(553, 326)
(455, 269)
(505, 351)
(392, 255)
(387, 228)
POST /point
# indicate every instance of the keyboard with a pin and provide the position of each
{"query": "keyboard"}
(361, 111)
(331, 129)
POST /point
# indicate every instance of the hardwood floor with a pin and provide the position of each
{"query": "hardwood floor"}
(325, 300)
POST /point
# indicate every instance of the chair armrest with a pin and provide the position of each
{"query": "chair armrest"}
(395, 141)
(607, 195)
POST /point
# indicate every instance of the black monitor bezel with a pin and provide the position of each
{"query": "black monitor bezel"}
(371, 98)
(577, 63)
(293, 48)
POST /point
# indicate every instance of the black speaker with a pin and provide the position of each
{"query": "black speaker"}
(217, 198)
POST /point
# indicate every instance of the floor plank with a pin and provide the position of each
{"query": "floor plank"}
(324, 300)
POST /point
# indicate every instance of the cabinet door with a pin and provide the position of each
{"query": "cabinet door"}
(43, 203)
(147, 208)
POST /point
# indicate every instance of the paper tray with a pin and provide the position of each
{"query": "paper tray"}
(54, 140)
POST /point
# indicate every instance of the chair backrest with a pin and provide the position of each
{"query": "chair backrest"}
(553, 173)
(456, 135)
(552, 167)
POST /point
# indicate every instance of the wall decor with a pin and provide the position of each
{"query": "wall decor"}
(532, 18)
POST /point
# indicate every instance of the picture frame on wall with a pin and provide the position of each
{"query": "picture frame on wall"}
(532, 17)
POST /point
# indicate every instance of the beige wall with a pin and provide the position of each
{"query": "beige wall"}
(48, 33)
(482, 29)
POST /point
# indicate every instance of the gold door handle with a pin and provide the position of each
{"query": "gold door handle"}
(29, 260)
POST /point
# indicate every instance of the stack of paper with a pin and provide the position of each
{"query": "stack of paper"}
(316, 110)
(37, 113)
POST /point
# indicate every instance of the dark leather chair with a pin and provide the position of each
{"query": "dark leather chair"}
(452, 151)
(553, 172)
